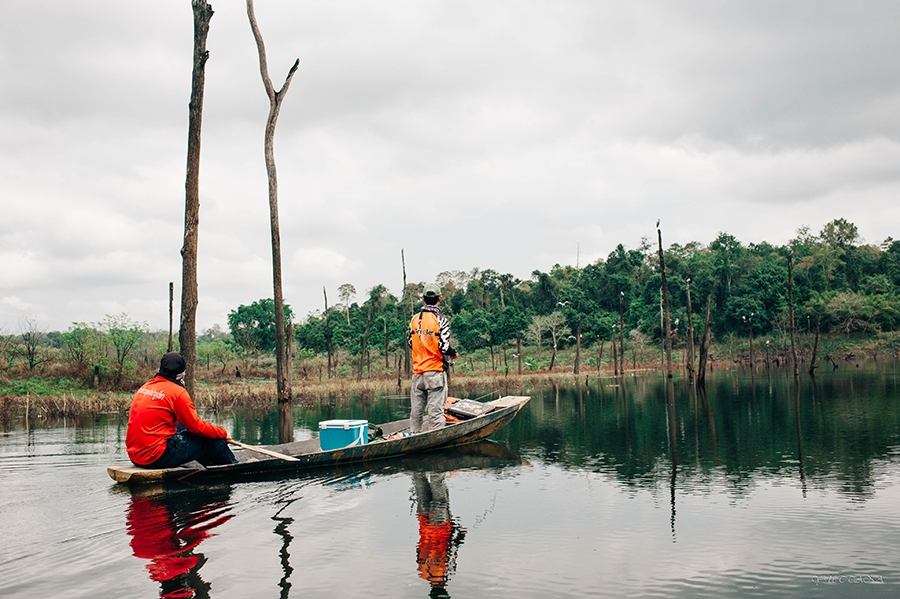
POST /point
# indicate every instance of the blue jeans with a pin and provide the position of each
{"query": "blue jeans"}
(184, 446)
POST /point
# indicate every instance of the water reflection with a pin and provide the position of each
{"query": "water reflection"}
(285, 423)
(166, 529)
(440, 535)
(738, 431)
(799, 430)
(282, 529)
(671, 423)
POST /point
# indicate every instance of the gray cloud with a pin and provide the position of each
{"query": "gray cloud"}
(526, 129)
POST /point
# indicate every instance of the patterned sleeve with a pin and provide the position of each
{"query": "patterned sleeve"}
(444, 338)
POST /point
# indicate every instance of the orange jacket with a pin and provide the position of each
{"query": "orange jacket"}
(155, 410)
(429, 338)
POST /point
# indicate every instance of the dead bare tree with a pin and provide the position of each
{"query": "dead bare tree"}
(577, 368)
(519, 352)
(407, 359)
(32, 338)
(815, 350)
(690, 333)
(187, 331)
(665, 298)
(793, 324)
(282, 355)
(704, 345)
(622, 332)
(171, 301)
(346, 293)
(612, 342)
(386, 363)
(364, 344)
(328, 345)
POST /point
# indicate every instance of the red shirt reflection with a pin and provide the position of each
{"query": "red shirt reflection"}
(158, 536)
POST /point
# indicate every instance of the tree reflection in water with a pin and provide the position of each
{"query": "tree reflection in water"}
(282, 529)
(167, 527)
(671, 424)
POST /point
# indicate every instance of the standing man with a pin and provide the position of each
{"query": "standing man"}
(164, 430)
(429, 338)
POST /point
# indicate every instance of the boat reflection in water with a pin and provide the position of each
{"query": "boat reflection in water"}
(167, 523)
(440, 535)
(166, 529)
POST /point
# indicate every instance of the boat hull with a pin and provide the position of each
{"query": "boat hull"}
(502, 411)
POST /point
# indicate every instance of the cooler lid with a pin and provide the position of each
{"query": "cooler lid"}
(344, 424)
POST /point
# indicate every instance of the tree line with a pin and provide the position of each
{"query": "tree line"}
(840, 286)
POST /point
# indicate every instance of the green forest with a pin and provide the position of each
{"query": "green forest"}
(841, 286)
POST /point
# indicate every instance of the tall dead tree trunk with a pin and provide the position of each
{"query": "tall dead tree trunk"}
(665, 300)
(364, 346)
(407, 358)
(815, 350)
(622, 332)
(577, 369)
(612, 342)
(171, 313)
(328, 346)
(690, 332)
(555, 344)
(793, 324)
(704, 345)
(187, 331)
(282, 357)
(519, 353)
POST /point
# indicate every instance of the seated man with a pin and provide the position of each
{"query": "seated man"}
(164, 429)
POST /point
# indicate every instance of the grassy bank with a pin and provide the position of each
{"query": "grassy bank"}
(52, 396)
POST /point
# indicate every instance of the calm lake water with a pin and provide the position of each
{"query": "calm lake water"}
(598, 490)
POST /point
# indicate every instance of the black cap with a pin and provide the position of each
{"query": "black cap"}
(171, 365)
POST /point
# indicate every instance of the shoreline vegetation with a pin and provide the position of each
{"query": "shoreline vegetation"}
(37, 399)
(829, 297)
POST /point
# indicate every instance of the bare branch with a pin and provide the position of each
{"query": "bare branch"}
(287, 80)
(261, 47)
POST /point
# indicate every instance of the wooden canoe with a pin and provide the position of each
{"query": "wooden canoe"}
(478, 455)
(498, 414)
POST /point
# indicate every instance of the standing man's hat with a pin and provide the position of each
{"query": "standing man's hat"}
(431, 290)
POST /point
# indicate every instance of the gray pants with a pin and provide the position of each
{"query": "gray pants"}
(432, 497)
(427, 398)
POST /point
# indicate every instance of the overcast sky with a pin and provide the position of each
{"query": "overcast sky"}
(496, 134)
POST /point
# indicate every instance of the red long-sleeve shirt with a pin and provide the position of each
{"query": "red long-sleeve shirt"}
(155, 410)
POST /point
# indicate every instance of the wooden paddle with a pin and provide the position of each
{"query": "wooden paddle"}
(264, 451)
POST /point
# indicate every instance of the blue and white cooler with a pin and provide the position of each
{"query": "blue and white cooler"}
(341, 434)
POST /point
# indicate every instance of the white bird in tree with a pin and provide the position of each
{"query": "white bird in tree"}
(565, 303)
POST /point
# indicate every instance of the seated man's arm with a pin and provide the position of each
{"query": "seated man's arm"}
(187, 415)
